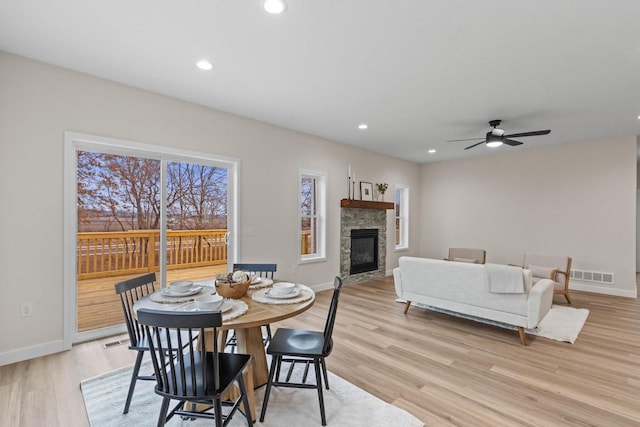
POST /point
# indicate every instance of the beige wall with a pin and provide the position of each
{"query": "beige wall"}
(39, 102)
(577, 200)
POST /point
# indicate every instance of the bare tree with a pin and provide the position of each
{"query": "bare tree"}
(126, 189)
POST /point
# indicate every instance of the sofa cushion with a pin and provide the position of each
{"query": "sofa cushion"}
(463, 283)
(469, 260)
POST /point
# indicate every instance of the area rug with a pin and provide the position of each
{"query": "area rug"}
(345, 405)
(561, 323)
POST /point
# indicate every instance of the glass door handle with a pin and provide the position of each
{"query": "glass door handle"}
(227, 235)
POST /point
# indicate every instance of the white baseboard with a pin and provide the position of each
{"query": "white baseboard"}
(627, 293)
(99, 333)
(32, 352)
(322, 286)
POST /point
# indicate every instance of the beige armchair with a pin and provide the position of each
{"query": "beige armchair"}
(477, 256)
(556, 268)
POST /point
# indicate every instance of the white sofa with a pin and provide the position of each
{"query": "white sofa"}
(490, 291)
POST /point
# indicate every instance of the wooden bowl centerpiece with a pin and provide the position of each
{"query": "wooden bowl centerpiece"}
(234, 285)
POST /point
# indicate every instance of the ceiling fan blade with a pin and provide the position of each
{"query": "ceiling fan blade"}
(468, 139)
(511, 142)
(471, 146)
(534, 133)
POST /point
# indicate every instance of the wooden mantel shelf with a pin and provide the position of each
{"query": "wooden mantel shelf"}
(365, 204)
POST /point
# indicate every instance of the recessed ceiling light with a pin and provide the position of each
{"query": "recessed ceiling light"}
(274, 6)
(204, 65)
(363, 126)
(432, 151)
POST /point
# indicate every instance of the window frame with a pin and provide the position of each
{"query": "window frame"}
(403, 245)
(320, 215)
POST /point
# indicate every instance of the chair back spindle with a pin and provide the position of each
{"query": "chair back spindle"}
(184, 374)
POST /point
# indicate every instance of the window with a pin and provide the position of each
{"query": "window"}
(312, 209)
(402, 217)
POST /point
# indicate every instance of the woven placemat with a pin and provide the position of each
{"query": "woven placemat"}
(263, 283)
(239, 308)
(158, 296)
(305, 294)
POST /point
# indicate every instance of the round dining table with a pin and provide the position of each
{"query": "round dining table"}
(248, 329)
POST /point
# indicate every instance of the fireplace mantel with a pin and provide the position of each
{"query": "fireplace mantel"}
(366, 204)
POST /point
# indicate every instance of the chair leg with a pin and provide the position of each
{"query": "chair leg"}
(324, 371)
(163, 411)
(268, 339)
(316, 363)
(275, 365)
(245, 401)
(134, 377)
(217, 405)
(566, 295)
(277, 377)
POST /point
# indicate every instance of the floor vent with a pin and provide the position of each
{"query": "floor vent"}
(116, 343)
(592, 276)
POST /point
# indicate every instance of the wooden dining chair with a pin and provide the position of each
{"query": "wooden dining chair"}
(302, 346)
(262, 270)
(187, 372)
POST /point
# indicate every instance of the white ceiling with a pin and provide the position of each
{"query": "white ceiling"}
(418, 72)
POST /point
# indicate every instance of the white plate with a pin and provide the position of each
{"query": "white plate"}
(294, 293)
(168, 292)
(226, 306)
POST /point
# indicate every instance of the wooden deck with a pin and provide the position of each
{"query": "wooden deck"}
(99, 306)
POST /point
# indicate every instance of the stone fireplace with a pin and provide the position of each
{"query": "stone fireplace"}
(369, 226)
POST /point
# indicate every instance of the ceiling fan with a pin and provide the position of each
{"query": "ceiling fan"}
(496, 137)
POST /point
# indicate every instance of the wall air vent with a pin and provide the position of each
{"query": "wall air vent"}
(592, 276)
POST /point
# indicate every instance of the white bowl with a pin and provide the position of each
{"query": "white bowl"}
(181, 286)
(282, 288)
(209, 302)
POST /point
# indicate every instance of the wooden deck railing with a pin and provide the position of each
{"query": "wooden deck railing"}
(137, 251)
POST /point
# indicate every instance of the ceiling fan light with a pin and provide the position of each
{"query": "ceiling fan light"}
(274, 6)
(494, 144)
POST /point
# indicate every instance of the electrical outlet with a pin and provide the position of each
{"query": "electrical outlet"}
(26, 309)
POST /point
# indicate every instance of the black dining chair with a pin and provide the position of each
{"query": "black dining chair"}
(262, 270)
(302, 346)
(130, 291)
(193, 374)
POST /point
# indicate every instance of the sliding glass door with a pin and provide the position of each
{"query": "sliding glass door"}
(141, 209)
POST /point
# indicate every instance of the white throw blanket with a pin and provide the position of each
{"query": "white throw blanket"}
(505, 279)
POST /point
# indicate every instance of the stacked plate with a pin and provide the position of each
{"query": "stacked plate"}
(283, 290)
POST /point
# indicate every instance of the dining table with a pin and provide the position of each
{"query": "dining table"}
(246, 317)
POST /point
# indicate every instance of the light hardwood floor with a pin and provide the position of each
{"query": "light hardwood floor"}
(447, 371)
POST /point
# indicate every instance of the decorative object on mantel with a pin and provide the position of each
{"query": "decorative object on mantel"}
(382, 188)
(366, 191)
(364, 204)
(351, 184)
